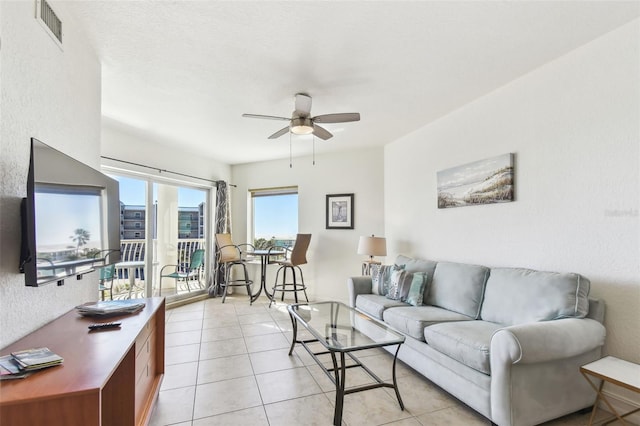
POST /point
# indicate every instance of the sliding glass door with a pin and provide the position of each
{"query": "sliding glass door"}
(180, 218)
(164, 240)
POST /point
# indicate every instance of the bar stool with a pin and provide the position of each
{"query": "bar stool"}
(295, 257)
(229, 255)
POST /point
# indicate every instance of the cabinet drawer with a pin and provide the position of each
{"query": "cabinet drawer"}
(144, 354)
(148, 328)
(144, 386)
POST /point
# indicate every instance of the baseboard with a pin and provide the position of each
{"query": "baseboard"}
(622, 404)
(187, 300)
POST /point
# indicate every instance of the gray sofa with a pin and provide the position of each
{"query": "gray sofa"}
(508, 342)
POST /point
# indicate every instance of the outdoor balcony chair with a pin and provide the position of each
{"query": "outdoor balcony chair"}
(190, 272)
(106, 273)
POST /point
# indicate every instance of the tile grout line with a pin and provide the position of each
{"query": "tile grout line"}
(195, 391)
(255, 378)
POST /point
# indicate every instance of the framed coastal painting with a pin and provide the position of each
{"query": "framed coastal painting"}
(339, 211)
(481, 182)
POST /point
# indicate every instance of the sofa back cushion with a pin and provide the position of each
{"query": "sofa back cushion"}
(517, 296)
(419, 265)
(458, 287)
(417, 289)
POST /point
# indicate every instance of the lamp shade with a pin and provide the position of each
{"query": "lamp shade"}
(372, 246)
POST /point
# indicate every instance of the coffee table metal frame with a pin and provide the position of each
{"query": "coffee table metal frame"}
(340, 318)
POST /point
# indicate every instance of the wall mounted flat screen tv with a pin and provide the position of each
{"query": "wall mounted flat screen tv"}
(70, 218)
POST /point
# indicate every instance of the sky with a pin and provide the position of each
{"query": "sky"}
(132, 192)
(58, 215)
(276, 216)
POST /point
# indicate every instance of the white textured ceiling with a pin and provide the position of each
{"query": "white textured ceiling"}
(183, 72)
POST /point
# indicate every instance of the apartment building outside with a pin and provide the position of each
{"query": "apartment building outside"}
(132, 222)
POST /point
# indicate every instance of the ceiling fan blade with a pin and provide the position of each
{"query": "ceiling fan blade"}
(322, 133)
(268, 117)
(279, 133)
(303, 105)
(337, 118)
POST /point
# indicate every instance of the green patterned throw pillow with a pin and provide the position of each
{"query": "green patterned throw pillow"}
(416, 291)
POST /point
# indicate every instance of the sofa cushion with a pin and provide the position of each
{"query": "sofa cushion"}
(516, 296)
(411, 320)
(417, 289)
(375, 304)
(458, 287)
(467, 342)
(418, 265)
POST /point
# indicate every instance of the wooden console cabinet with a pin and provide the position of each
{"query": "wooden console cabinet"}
(108, 378)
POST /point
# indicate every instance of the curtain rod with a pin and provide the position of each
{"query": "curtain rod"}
(162, 170)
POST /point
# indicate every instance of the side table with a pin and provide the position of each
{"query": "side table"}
(616, 371)
(366, 266)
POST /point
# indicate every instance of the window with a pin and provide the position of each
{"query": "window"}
(274, 216)
(138, 215)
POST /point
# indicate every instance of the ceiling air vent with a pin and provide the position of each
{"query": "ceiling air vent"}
(49, 20)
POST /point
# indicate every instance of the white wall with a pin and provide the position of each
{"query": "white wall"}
(332, 253)
(53, 95)
(124, 143)
(574, 127)
(191, 169)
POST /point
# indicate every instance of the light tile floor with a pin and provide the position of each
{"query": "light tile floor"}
(228, 364)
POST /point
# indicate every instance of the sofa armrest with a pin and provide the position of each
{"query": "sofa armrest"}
(358, 285)
(535, 369)
(547, 340)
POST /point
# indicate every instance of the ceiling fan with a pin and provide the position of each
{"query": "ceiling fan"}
(301, 122)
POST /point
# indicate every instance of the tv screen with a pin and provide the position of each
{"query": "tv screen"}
(71, 222)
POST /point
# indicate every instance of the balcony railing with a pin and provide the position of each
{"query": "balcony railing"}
(129, 281)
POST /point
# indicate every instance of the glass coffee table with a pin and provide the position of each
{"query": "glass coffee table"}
(342, 330)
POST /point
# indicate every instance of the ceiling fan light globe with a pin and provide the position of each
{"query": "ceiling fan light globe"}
(302, 130)
(301, 126)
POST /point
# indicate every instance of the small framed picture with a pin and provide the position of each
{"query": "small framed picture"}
(339, 211)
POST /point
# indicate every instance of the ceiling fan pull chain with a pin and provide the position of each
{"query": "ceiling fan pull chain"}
(290, 160)
(314, 150)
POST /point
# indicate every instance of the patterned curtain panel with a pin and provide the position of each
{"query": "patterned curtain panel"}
(222, 225)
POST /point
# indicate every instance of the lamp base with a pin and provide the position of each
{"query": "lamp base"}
(366, 266)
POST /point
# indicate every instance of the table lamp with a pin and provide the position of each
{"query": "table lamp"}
(371, 246)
